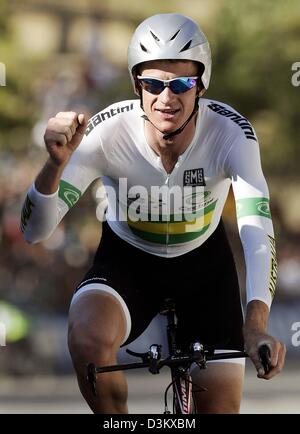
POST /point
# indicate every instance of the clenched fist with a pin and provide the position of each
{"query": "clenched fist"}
(63, 134)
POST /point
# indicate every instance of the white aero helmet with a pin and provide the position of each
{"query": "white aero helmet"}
(169, 36)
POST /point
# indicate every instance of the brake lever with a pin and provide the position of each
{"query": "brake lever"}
(155, 356)
(144, 356)
(198, 354)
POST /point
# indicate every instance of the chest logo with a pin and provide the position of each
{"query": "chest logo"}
(194, 177)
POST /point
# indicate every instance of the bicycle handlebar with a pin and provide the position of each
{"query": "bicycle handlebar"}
(169, 361)
(156, 363)
(147, 361)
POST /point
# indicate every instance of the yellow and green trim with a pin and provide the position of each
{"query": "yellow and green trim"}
(174, 231)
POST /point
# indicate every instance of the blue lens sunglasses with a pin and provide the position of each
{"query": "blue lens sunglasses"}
(177, 85)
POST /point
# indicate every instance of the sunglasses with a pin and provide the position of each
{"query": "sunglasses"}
(177, 85)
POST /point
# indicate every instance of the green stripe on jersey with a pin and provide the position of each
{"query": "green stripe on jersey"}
(68, 193)
(253, 206)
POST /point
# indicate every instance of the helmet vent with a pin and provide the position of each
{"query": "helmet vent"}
(143, 48)
(154, 36)
(174, 36)
(186, 47)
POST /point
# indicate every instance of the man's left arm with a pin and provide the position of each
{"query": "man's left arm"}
(257, 237)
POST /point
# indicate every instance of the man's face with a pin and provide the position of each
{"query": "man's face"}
(168, 111)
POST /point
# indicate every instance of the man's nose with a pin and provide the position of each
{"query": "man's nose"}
(166, 96)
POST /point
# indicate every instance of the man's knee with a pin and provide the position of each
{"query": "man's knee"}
(88, 345)
(224, 384)
(96, 328)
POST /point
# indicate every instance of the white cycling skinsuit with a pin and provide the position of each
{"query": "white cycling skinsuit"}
(223, 152)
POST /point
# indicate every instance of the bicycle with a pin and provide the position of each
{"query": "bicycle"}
(178, 362)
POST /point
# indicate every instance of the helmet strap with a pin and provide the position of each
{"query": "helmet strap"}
(141, 101)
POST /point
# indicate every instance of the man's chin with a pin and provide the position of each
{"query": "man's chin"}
(167, 127)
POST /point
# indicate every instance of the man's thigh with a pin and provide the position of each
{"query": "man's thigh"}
(224, 384)
(97, 316)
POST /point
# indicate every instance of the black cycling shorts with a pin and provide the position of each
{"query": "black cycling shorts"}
(203, 284)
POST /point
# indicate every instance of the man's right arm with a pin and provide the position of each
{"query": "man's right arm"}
(42, 211)
(47, 181)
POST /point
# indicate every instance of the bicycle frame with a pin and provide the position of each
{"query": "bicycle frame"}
(181, 379)
(182, 394)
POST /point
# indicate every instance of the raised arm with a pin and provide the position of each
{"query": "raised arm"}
(74, 162)
(63, 134)
(257, 236)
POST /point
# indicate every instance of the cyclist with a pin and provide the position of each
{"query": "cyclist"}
(174, 142)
